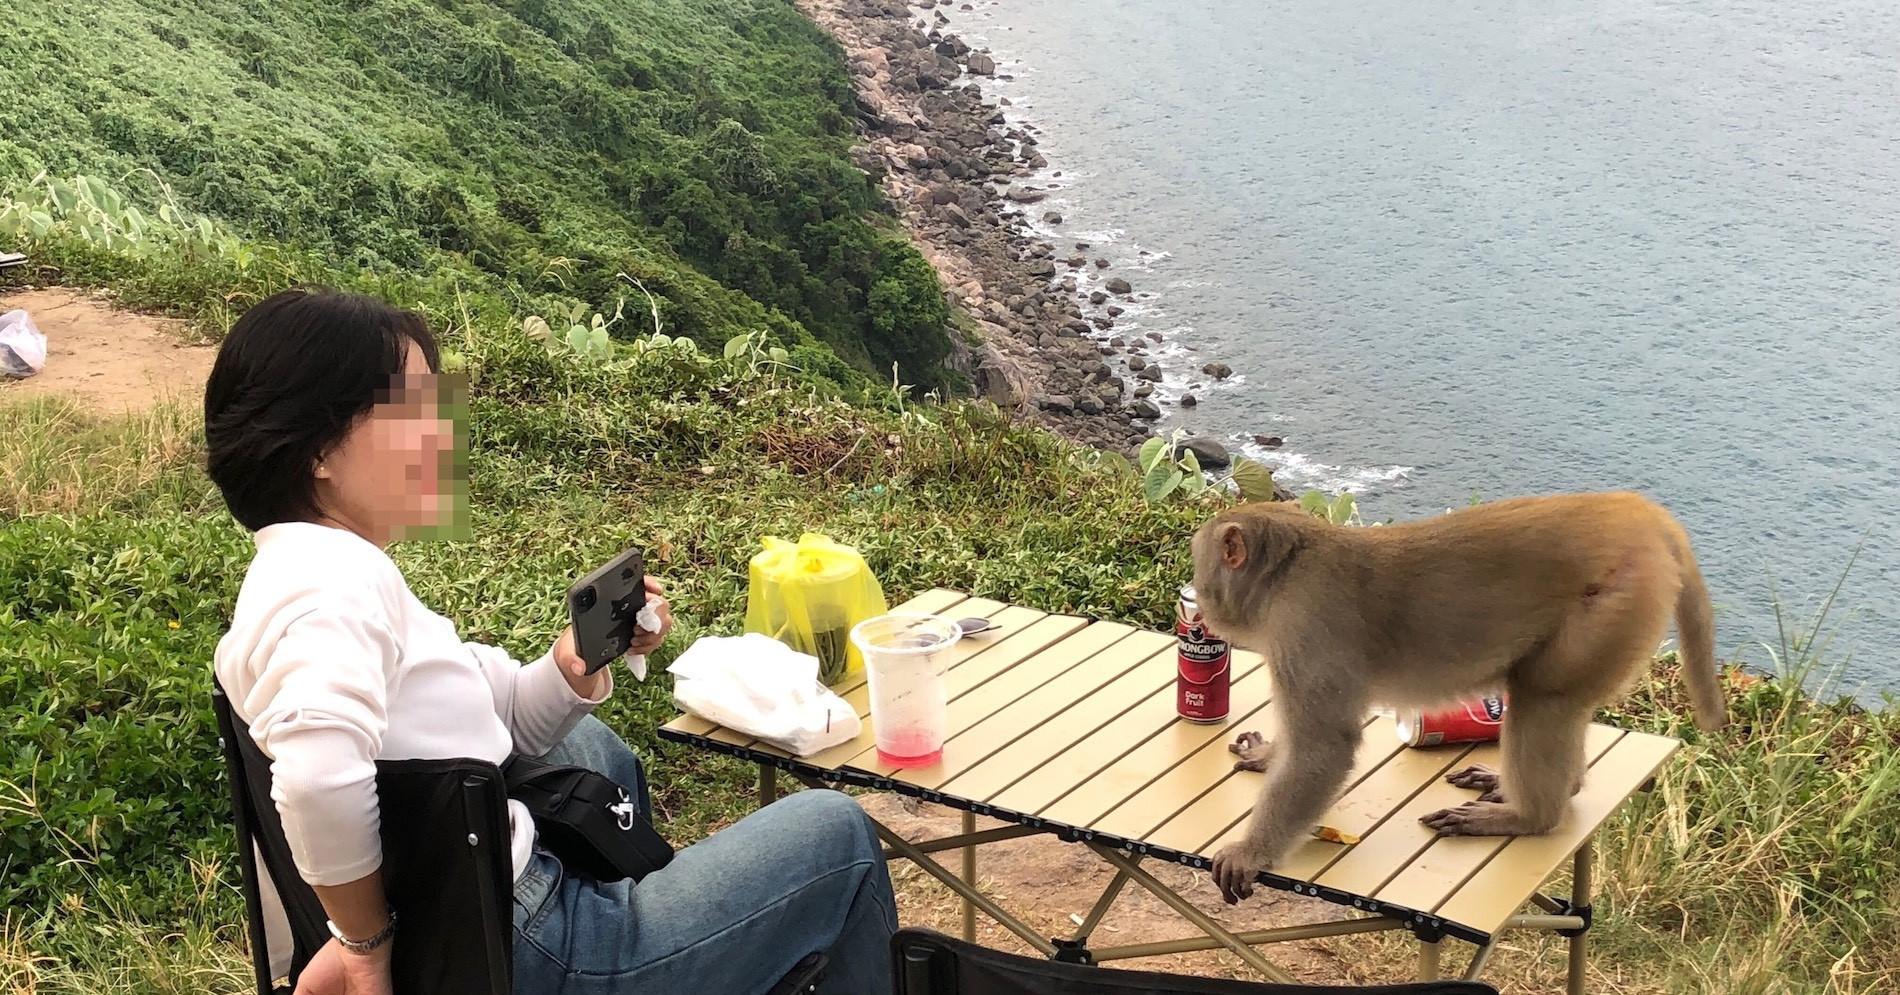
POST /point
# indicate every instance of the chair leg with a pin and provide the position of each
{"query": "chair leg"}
(1428, 960)
(1580, 887)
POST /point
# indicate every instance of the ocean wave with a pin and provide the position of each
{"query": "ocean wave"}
(1299, 471)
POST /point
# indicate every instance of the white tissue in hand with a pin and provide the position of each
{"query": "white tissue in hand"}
(764, 688)
(647, 620)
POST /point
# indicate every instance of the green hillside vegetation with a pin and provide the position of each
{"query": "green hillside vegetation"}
(534, 150)
(325, 145)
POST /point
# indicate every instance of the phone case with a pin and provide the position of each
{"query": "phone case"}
(602, 606)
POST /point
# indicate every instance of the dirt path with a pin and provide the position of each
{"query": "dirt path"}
(107, 361)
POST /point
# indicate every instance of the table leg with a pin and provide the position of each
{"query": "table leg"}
(969, 878)
(768, 784)
(1428, 957)
(1580, 886)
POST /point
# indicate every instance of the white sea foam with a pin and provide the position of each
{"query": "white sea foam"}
(1299, 471)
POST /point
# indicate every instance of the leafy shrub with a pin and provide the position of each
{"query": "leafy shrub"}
(528, 149)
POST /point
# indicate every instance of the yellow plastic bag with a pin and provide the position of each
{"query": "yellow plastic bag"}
(808, 595)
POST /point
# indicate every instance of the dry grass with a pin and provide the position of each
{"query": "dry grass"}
(57, 458)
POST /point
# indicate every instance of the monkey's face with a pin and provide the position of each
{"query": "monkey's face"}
(1236, 555)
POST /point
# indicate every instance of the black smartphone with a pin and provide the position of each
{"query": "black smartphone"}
(602, 606)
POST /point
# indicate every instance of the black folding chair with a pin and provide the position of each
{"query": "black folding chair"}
(446, 869)
(927, 962)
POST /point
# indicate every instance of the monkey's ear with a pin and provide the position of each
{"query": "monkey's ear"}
(1233, 546)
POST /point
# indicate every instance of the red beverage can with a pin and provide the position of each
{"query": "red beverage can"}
(1475, 721)
(1205, 663)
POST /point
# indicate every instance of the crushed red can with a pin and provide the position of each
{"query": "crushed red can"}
(1476, 721)
(1204, 661)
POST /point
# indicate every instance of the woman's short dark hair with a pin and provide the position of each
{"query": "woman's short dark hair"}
(296, 371)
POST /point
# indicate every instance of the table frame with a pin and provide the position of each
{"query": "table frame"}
(1569, 917)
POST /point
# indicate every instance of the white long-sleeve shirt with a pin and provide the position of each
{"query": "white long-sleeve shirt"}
(334, 664)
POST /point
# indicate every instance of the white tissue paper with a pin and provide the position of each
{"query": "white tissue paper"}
(647, 620)
(764, 688)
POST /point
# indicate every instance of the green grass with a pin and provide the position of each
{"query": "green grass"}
(531, 150)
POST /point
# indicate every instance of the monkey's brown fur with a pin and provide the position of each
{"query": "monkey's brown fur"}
(1560, 602)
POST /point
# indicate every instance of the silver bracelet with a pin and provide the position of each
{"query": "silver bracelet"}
(364, 946)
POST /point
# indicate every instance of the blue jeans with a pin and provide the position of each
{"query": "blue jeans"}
(730, 914)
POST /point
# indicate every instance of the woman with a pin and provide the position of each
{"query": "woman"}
(325, 437)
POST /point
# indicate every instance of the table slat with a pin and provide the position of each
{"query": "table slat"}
(1503, 885)
(1061, 674)
(1078, 769)
(1229, 803)
(1401, 838)
(1075, 720)
(1436, 874)
(1175, 789)
(984, 660)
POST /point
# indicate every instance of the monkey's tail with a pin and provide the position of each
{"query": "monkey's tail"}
(1695, 625)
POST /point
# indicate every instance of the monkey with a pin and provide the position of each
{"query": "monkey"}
(1559, 601)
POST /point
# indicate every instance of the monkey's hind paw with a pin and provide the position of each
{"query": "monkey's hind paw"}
(1479, 777)
(1252, 749)
(1479, 818)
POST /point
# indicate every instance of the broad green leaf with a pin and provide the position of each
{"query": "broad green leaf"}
(535, 328)
(1159, 480)
(779, 355)
(40, 222)
(64, 197)
(1151, 451)
(1253, 480)
(1193, 485)
(95, 191)
(1116, 463)
(1342, 508)
(1190, 463)
(737, 346)
(1316, 503)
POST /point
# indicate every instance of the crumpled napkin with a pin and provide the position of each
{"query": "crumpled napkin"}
(764, 688)
(647, 620)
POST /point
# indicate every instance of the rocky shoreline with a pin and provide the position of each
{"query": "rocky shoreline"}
(965, 181)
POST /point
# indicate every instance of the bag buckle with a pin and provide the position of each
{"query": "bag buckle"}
(624, 810)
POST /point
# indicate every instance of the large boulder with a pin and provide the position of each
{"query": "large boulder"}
(1211, 454)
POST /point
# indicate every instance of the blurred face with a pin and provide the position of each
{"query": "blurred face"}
(392, 474)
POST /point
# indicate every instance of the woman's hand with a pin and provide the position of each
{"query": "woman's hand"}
(575, 669)
(645, 642)
(335, 971)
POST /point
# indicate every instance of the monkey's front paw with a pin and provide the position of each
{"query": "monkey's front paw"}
(1479, 818)
(1479, 777)
(1234, 869)
(1252, 749)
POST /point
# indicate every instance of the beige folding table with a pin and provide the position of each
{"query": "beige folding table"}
(1066, 725)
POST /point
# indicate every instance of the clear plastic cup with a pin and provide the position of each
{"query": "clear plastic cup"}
(904, 660)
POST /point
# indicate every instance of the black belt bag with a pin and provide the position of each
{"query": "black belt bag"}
(586, 820)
